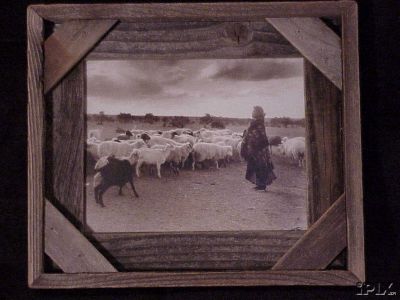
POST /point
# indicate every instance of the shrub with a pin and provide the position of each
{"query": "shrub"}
(218, 124)
(150, 118)
(179, 121)
(124, 117)
(120, 130)
(207, 119)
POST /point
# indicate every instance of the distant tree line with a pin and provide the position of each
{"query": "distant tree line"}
(214, 122)
(286, 122)
(207, 120)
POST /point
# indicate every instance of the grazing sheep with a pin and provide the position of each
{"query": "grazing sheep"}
(158, 140)
(118, 149)
(274, 140)
(169, 134)
(185, 138)
(93, 149)
(93, 140)
(238, 149)
(177, 156)
(112, 172)
(152, 157)
(127, 136)
(96, 133)
(227, 141)
(294, 148)
(209, 151)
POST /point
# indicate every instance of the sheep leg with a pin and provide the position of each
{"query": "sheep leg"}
(120, 190)
(101, 192)
(193, 163)
(216, 163)
(159, 170)
(102, 188)
(174, 167)
(133, 188)
(138, 165)
(96, 193)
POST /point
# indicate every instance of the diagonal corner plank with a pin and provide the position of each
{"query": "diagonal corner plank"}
(68, 248)
(322, 242)
(316, 42)
(68, 45)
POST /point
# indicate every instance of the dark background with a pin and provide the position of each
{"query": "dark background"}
(380, 101)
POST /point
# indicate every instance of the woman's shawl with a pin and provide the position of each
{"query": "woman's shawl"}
(255, 143)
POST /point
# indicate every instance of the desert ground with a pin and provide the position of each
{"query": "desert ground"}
(207, 199)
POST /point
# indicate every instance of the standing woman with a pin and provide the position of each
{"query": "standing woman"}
(255, 151)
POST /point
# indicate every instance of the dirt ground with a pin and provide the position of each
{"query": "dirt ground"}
(203, 200)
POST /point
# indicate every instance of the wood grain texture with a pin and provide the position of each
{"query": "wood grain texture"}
(68, 248)
(156, 12)
(316, 42)
(186, 279)
(35, 32)
(352, 143)
(322, 242)
(68, 45)
(196, 250)
(193, 40)
(207, 13)
(65, 142)
(324, 127)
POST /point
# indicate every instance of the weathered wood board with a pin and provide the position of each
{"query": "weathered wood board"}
(324, 128)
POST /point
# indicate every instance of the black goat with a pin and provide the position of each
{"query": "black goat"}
(116, 172)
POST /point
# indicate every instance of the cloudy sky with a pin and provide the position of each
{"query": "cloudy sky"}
(220, 87)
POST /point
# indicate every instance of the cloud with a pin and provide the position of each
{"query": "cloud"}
(193, 87)
(106, 86)
(258, 70)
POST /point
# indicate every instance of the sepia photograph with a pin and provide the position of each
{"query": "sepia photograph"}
(195, 145)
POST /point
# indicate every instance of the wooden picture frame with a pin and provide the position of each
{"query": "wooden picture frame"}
(56, 89)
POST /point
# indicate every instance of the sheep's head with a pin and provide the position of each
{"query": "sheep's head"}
(230, 151)
(281, 149)
(101, 163)
(169, 147)
(134, 156)
(145, 137)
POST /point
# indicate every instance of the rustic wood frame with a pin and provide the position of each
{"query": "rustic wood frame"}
(337, 220)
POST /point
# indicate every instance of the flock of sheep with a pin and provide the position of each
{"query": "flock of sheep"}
(117, 158)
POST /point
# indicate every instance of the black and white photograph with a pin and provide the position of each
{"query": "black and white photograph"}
(195, 145)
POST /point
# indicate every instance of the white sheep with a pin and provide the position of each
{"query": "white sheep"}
(169, 134)
(159, 140)
(238, 150)
(178, 155)
(227, 141)
(180, 131)
(214, 152)
(96, 133)
(152, 157)
(93, 140)
(185, 138)
(103, 161)
(118, 149)
(294, 148)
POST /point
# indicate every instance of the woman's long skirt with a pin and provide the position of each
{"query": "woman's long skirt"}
(261, 174)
